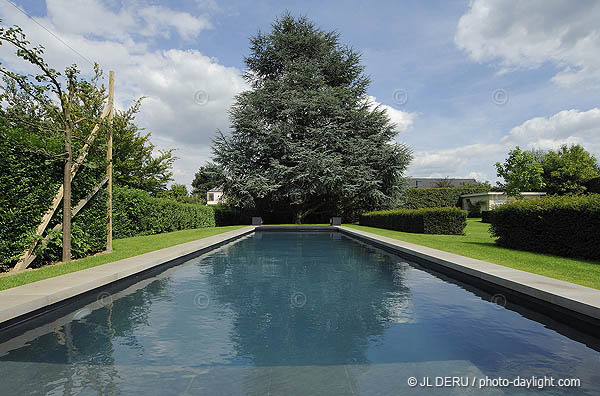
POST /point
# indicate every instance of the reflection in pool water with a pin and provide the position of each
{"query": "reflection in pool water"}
(289, 313)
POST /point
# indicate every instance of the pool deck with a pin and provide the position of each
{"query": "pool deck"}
(23, 302)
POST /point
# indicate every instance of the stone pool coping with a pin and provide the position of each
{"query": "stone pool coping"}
(25, 300)
(568, 296)
(22, 302)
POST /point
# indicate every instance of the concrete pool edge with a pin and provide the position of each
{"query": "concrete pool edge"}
(581, 300)
(22, 302)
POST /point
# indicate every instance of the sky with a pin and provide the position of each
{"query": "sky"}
(464, 81)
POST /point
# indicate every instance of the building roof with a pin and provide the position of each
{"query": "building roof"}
(429, 182)
(216, 189)
(481, 194)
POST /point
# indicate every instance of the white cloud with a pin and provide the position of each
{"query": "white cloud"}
(94, 18)
(121, 40)
(567, 126)
(160, 19)
(84, 18)
(402, 119)
(528, 33)
(457, 161)
(208, 5)
(564, 127)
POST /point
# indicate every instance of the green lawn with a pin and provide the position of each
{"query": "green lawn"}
(122, 248)
(478, 244)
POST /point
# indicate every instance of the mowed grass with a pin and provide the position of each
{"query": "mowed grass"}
(122, 248)
(478, 244)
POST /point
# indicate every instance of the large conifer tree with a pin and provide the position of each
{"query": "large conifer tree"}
(305, 139)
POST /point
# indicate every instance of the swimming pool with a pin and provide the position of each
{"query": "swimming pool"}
(291, 313)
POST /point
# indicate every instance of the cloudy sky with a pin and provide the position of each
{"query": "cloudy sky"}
(465, 81)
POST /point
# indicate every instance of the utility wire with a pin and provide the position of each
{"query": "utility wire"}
(49, 31)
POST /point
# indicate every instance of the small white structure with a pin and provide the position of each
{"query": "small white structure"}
(215, 196)
(489, 200)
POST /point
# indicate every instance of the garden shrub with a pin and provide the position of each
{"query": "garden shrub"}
(486, 216)
(416, 198)
(450, 220)
(474, 209)
(561, 225)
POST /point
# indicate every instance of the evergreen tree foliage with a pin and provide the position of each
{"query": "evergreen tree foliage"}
(305, 139)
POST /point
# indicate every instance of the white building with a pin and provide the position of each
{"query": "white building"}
(215, 196)
(489, 200)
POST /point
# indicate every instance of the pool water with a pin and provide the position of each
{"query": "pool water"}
(291, 313)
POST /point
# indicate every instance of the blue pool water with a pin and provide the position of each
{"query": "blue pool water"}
(291, 313)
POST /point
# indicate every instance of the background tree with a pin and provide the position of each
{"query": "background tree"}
(305, 139)
(179, 192)
(483, 185)
(521, 172)
(134, 162)
(568, 169)
(209, 176)
(445, 182)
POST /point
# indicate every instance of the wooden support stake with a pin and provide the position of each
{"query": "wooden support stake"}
(76, 210)
(66, 248)
(111, 104)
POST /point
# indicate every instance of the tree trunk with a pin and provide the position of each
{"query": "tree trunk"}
(109, 162)
(298, 217)
(66, 248)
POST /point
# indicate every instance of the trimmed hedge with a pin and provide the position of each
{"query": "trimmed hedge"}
(561, 225)
(226, 215)
(135, 212)
(450, 221)
(31, 164)
(416, 198)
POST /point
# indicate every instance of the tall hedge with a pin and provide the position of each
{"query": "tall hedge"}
(416, 198)
(450, 221)
(562, 225)
(135, 212)
(31, 174)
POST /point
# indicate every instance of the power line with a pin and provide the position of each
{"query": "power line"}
(49, 31)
